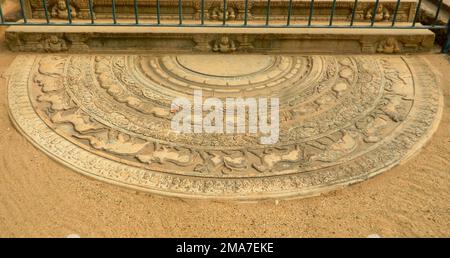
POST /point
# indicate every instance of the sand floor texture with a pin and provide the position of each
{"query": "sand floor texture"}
(41, 198)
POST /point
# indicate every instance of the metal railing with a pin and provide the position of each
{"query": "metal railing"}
(414, 24)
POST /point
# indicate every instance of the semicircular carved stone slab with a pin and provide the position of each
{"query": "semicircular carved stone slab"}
(343, 119)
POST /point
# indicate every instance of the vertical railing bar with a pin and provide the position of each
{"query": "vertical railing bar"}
(203, 12)
(225, 12)
(394, 18)
(374, 13)
(311, 11)
(267, 12)
(417, 13)
(446, 46)
(355, 5)
(180, 12)
(114, 11)
(333, 9)
(2, 20)
(22, 10)
(246, 13)
(437, 12)
(69, 11)
(91, 10)
(136, 12)
(289, 13)
(44, 4)
(158, 12)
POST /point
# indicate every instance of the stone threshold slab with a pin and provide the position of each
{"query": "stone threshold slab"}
(342, 119)
(223, 40)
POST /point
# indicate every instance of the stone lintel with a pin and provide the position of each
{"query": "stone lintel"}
(243, 40)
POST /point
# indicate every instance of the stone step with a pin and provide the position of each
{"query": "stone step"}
(208, 39)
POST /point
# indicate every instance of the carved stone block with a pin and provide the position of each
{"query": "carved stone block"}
(234, 40)
(343, 119)
(214, 10)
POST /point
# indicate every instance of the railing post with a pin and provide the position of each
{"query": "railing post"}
(333, 9)
(44, 4)
(225, 12)
(374, 13)
(91, 10)
(267, 12)
(1, 15)
(22, 11)
(394, 18)
(311, 11)
(246, 13)
(180, 12)
(355, 5)
(289, 13)
(136, 12)
(416, 16)
(158, 12)
(113, 9)
(437, 12)
(202, 12)
(446, 45)
(69, 11)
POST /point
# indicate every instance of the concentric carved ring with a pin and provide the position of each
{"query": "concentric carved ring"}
(343, 119)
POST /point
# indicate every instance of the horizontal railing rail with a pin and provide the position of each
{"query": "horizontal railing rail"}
(309, 17)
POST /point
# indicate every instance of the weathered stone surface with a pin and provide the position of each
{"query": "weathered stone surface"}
(240, 40)
(343, 119)
(10, 10)
(214, 10)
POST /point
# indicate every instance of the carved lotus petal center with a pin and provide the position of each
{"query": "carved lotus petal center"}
(226, 66)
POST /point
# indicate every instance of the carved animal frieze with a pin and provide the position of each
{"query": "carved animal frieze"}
(114, 142)
(164, 154)
(81, 123)
(272, 157)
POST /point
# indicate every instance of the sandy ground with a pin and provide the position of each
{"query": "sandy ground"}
(40, 198)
